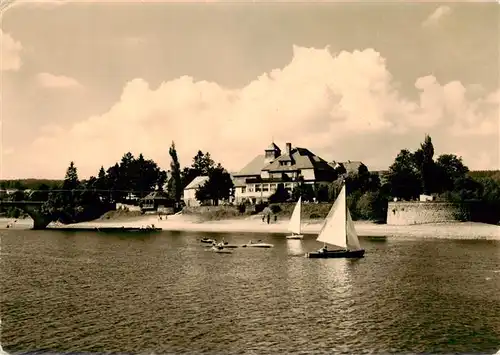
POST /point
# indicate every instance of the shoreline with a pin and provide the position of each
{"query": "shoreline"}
(187, 223)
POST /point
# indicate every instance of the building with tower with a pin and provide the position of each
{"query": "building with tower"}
(260, 178)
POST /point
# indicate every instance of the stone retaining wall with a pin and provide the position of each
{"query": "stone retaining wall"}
(407, 213)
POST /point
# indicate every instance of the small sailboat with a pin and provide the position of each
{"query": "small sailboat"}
(295, 222)
(338, 230)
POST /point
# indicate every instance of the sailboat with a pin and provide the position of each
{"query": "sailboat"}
(295, 222)
(338, 230)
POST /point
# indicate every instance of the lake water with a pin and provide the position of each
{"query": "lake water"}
(164, 293)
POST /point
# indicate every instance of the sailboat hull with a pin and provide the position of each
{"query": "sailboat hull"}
(337, 254)
(295, 236)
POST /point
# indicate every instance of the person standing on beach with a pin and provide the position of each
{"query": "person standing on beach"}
(268, 218)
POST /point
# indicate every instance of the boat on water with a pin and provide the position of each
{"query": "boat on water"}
(338, 230)
(224, 244)
(294, 225)
(232, 246)
(258, 244)
(220, 249)
(208, 240)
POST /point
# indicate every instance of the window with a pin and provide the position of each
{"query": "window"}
(265, 187)
(243, 190)
(257, 188)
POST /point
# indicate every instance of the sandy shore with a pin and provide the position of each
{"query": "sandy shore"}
(466, 230)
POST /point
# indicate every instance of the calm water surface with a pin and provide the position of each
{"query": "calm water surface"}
(164, 293)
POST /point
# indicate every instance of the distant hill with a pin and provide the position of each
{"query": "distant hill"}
(494, 174)
(30, 184)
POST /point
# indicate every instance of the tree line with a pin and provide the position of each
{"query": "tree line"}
(411, 174)
(73, 200)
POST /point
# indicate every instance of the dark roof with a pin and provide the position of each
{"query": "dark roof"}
(352, 166)
(156, 195)
(301, 158)
(253, 168)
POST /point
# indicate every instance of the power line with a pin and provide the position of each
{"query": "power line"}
(87, 190)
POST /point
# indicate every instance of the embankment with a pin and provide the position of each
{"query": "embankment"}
(458, 230)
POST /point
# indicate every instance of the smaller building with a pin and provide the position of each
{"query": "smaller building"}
(154, 201)
(190, 191)
(347, 167)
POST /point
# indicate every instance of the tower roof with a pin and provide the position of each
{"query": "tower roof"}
(272, 147)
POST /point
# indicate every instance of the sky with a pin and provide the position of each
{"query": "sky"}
(88, 81)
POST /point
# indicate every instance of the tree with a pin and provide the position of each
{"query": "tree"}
(113, 179)
(176, 187)
(321, 193)
(202, 166)
(372, 206)
(71, 181)
(203, 163)
(280, 195)
(101, 185)
(404, 176)
(63, 205)
(449, 169)
(41, 194)
(218, 186)
(303, 190)
(424, 160)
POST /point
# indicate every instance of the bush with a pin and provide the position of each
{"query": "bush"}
(314, 216)
(242, 208)
(275, 209)
(372, 206)
(260, 207)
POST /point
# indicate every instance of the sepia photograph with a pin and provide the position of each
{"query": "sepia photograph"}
(249, 177)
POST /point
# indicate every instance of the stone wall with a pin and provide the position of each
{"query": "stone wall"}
(205, 209)
(406, 213)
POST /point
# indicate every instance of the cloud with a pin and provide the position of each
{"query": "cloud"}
(342, 106)
(11, 52)
(434, 18)
(57, 81)
(8, 151)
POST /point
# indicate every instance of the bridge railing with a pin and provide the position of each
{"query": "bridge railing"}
(131, 194)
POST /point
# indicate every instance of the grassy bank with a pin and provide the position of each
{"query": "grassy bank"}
(215, 213)
(120, 214)
(309, 210)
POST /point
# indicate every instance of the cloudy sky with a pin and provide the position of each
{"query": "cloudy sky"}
(88, 81)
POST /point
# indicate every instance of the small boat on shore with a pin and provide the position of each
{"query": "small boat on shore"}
(208, 240)
(295, 222)
(259, 244)
(338, 230)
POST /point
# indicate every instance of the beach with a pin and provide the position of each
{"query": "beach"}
(254, 224)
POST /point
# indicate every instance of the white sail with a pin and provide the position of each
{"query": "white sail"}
(352, 236)
(334, 228)
(294, 225)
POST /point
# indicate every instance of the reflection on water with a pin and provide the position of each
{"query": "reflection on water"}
(294, 247)
(164, 293)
